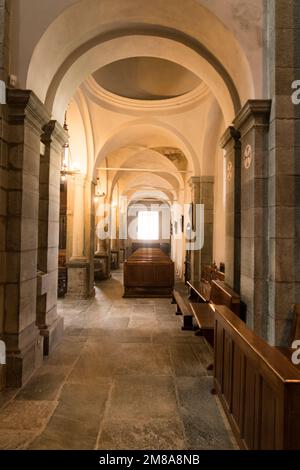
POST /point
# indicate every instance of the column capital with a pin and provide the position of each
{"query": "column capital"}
(231, 136)
(253, 113)
(197, 180)
(24, 105)
(54, 132)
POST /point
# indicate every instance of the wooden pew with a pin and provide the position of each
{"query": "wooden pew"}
(259, 387)
(204, 315)
(203, 312)
(220, 294)
(184, 309)
(200, 290)
(149, 272)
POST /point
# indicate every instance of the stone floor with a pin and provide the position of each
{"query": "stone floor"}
(124, 377)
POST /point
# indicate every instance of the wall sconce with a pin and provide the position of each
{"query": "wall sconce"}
(98, 192)
(67, 166)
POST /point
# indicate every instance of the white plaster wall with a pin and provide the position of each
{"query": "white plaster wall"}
(244, 18)
(77, 141)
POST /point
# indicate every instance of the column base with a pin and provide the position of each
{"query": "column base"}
(21, 366)
(79, 281)
(52, 335)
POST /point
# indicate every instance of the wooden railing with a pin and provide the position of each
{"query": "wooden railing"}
(258, 386)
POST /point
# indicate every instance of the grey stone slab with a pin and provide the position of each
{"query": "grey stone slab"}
(142, 397)
(185, 362)
(93, 365)
(26, 415)
(144, 359)
(67, 434)
(174, 336)
(66, 353)
(144, 323)
(147, 434)
(195, 398)
(15, 440)
(115, 323)
(116, 335)
(145, 309)
(203, 422)
(73, 331)
(120, 311)
(44, 385)
(84, 401)
(202, 436)
(203, 352)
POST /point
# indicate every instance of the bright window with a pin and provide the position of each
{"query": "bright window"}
(148, 225)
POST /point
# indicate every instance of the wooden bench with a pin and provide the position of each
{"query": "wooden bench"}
(203, 311)
(184, 309)
(204, 316)
(200, 290)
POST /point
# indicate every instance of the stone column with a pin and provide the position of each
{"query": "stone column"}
(5, 6)
(78, 248)
(231, 144)
(195, 255)
(49, 323)
(207, 199)
(283, 51)
(3, 223)
(78, 265)
(202, 189)
(253, 124)
(26, 117)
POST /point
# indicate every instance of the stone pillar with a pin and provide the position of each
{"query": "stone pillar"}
(102, 245)
(78, 266)
(231, 144)
(202, 189)
(207, 199)
(26, 117)
(252, 122)
(3, 223)
(78, 248)
(49, 323)
(195, 255)
(5, 6)
(284, 168)
(90, 234)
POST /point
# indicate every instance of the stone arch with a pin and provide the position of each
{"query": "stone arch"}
(73, 41)
(146, 128)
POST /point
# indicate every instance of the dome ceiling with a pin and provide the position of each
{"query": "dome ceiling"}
(146, 78)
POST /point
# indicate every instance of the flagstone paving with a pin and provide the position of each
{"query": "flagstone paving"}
(124, 377)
